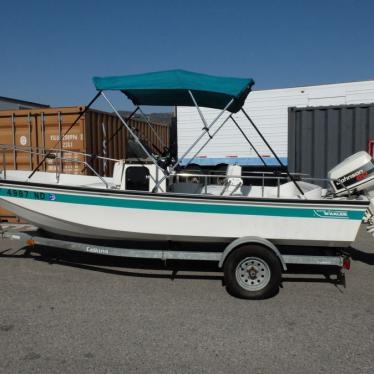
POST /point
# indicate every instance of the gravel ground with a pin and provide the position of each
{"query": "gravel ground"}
(64, 313)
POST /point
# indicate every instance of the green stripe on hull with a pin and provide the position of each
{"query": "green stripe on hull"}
(203, 207)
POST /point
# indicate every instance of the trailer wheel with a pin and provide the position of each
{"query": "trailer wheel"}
(252, 272)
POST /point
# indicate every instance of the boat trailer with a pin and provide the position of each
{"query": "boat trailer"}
(31, 236)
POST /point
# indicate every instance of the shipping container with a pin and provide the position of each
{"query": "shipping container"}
(269, 111)
(321, 137)
(97, 133)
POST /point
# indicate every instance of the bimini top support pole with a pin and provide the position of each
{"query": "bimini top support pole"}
(247, 139)
(206, 127)
(272, 151)
(129, 129)
(153, 130)
(202, 134)
(121, 127)
(197, 140)
(208, 140)
(62, 137)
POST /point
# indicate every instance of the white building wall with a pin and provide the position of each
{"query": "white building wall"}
(269, 111)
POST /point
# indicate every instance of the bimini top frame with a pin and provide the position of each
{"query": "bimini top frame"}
(179, 88)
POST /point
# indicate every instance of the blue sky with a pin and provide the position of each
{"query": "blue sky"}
(51, 49)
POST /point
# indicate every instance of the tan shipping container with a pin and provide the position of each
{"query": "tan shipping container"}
(98, 133)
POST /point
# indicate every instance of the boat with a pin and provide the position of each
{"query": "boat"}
(155, 200)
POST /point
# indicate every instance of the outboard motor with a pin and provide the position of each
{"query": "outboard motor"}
(353, 176)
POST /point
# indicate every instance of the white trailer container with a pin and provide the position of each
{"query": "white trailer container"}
(269, 111)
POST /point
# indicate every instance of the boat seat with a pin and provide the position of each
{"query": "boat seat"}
(233, 180)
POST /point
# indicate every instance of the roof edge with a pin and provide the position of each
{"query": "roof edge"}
(23, 102)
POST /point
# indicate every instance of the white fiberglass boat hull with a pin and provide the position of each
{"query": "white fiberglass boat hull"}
(105, 214)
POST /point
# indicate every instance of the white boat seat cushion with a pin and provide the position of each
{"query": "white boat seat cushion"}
(233, 180)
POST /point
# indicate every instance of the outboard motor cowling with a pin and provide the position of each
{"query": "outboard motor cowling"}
(354, 174)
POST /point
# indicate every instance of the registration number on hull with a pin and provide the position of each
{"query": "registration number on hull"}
(27, 194)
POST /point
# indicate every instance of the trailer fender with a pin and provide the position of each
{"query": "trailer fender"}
(251, 240)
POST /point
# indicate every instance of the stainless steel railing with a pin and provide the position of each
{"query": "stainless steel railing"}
(53, 154)
(43, 151)
(259, 177)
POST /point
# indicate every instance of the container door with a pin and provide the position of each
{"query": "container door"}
(18, 131)
(53, 126)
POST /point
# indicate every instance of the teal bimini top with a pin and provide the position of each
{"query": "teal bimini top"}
(168, 88)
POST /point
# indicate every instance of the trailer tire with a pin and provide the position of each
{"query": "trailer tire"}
(252, 272)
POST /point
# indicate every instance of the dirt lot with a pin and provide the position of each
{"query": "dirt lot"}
(66, 313)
